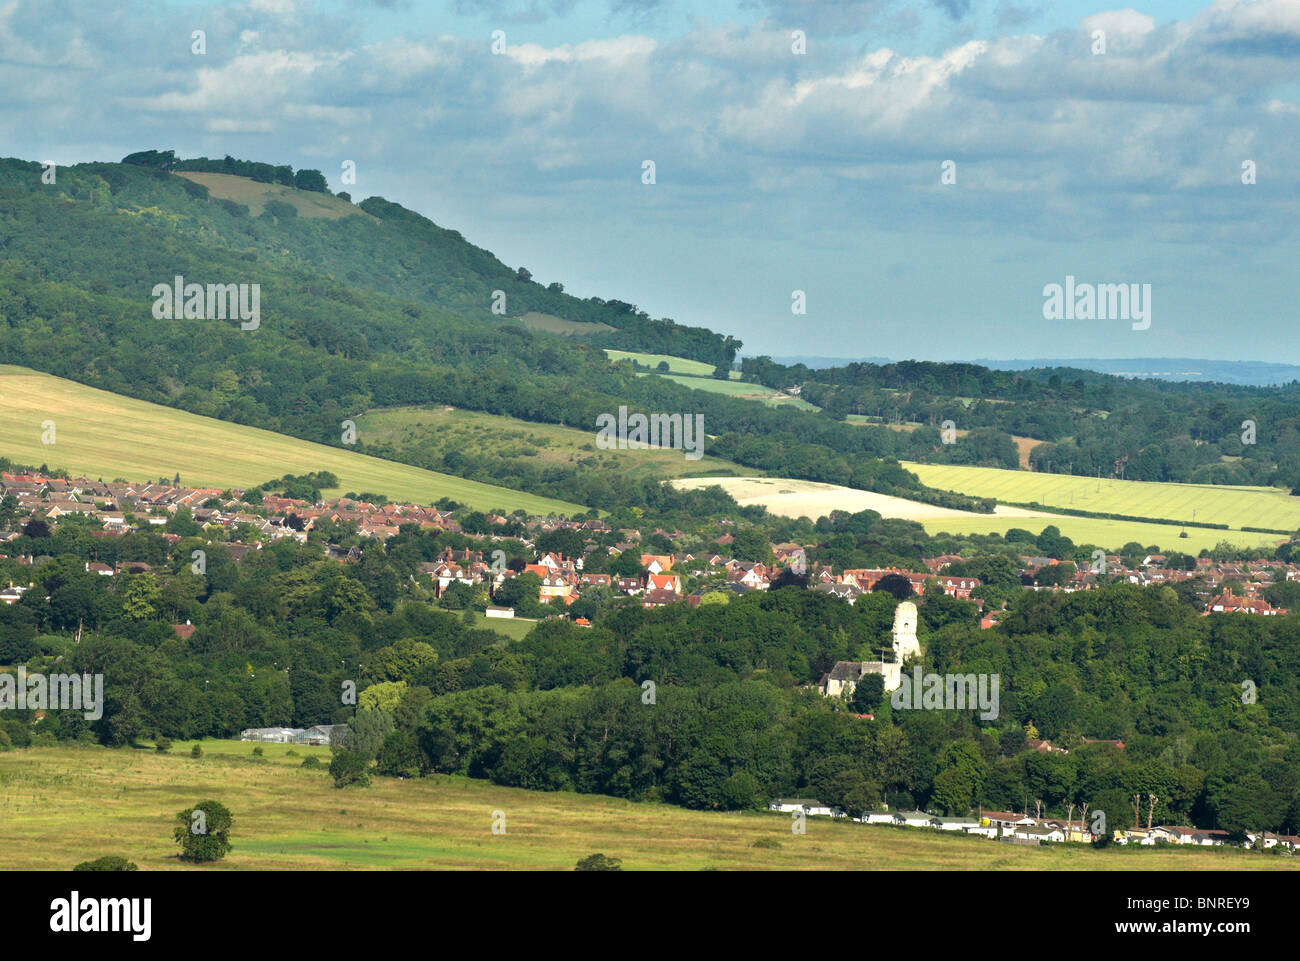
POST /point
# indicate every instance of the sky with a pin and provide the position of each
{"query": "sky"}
(920, 171)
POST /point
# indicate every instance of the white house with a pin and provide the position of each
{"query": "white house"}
(1040, 833)
(12, 594)
(913, 819)
(1172, 834)
(809, 806)
(1006, 822)
(877, 817)
(953, 824)
(1270, 840)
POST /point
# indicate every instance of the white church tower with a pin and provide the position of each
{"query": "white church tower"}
(905, 642)
(905, 645)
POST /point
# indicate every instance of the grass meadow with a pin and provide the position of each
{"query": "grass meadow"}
(676, 365)
(255, 196)
(1210, 503)
(63, 805)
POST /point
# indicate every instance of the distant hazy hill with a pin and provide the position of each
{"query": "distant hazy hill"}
(1253, 373)
(1247, 372)
(821, 363)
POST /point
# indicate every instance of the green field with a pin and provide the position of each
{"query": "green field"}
(63, 805)
(1235, 506)
(676, 365)
(739, 389)
(697, 375)
(514, 629)
(439, 429)
(106, 435)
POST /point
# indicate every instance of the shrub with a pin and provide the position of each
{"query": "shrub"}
(258, 752)
(349, 767)
(109, 862)
(311, 762)
(163, 744)
(196, 751)
(279, 210)
(16, 731)
(598, 862)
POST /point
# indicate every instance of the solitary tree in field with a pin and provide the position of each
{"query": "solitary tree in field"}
(203, 831)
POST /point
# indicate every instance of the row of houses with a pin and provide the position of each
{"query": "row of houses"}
(1251, 578)
(660, 581)
(1010, 826)
(563, 579)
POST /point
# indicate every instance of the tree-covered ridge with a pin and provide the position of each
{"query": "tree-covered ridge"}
(399, 253)
(1090, 423)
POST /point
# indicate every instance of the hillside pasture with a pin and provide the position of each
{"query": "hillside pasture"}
(1234, 506)
(441, 429)
(105, 435)
(795, 498)
(676, 365)
(738, 389)
(255, 196)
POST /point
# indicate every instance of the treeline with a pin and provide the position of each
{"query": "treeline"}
(285, 175)
(166, 160)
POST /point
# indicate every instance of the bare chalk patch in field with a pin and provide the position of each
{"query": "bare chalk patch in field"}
(797, 498)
